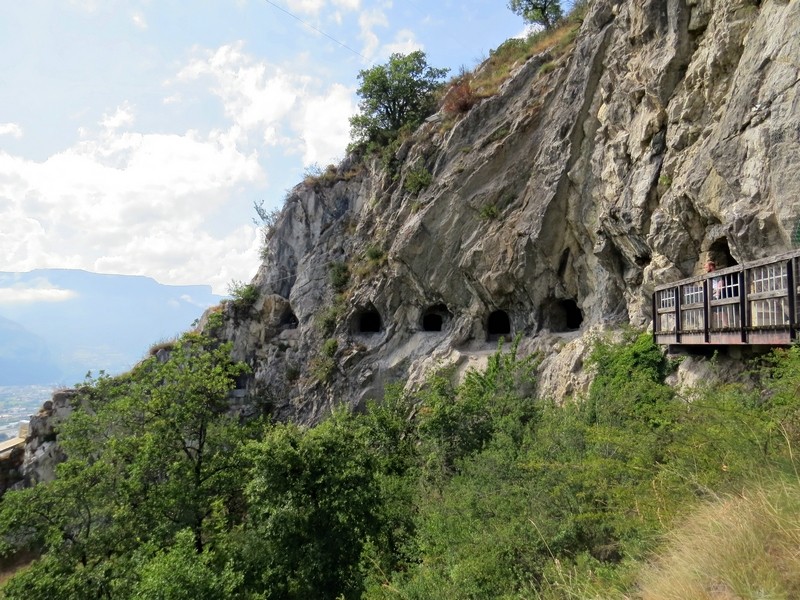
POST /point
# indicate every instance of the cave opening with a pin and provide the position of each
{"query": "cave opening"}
(369, 321)
(498, 325)
(435, 318)
(560, 315)
(432, 322)
(720, 253)
(289, 320)
(573, 316)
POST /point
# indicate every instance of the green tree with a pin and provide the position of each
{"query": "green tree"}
(397, 94)
(150, 454)
(538, 12)
(314, 502)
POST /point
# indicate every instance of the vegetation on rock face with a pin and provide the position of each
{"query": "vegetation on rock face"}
(538, 12)
(397, 94)
(243, 295)
(476, 490)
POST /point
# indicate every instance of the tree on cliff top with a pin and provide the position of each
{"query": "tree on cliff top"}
(396, 94)
(538, 12)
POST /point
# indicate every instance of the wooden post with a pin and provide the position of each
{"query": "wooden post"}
(792, 295)
(743, 320)
(706, 311)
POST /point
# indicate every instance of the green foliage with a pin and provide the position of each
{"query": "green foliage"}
(180, 574)
(417, 179)
(314, 502)
(323, 368)
(215, 320)
(397, 94)
(151, 453)
(330, 347)
(489, 212)
(539, 12)
(476, 489)
(374, 253)
(244, 295)
(339, 275)
(266, 220)
(328, 318)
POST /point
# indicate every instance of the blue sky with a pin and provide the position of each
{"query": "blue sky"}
(135, 135)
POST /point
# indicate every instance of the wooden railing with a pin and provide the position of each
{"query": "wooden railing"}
(755, 303)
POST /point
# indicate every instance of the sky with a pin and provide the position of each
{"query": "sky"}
(136, 135)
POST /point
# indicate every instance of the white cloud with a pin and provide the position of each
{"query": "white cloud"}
(26, 295)
(348, 4)
(310, 7)
(314, 7)
(256, 96)
(11, 129)
(404, 42)
(325, 126)
(138, 20)
(368, 21)
(122, 116)
(279, 108)
(131, 203)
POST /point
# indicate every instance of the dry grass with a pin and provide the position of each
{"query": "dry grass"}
(512, 53)
(746, 546)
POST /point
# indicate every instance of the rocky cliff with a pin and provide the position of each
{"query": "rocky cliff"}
(667, 133)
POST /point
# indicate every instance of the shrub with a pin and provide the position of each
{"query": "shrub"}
(460, 97)
(417, 179)
(330, 347)
(215, 319)
(374, 253)
(244, 294)
(166, 345)
(328, 318)
(490, 212)
(323, 368)
(339, 275)
(292, 373)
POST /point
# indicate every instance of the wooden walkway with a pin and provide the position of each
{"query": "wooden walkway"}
(8, 446)
(757, 303)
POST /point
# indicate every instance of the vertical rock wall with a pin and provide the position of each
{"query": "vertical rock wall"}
(668, 133)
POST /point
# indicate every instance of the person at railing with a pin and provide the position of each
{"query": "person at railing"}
(719, 315)
(717, 283)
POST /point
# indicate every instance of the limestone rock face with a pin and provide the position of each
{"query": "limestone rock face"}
(669, 133)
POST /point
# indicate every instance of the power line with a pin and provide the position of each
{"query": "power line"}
(310, 26)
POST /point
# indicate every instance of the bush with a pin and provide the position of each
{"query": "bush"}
(460, 98)
(374, 253)
(244, 295)
(417, 179)
(490, 212)
(339, 275)
(330, 347)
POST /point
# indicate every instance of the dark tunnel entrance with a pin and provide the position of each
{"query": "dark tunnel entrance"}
(369, 321)
(561, 315)
(498, 325)
(289, 321)
(573, 317)
(435, 318)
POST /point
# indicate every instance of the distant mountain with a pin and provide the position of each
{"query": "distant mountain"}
(85, 321)
(25, 358)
